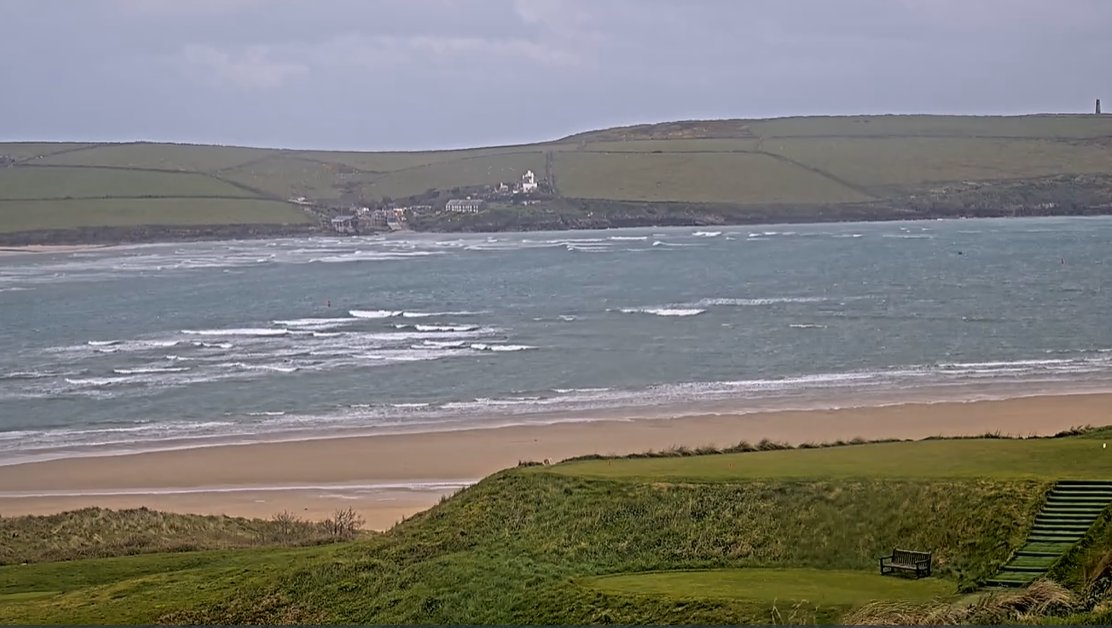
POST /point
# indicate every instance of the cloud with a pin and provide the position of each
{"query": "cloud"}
(250, 68)
(169, 8)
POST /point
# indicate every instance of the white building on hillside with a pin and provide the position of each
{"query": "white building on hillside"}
(528, 182)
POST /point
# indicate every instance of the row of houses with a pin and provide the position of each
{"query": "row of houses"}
(527, 185)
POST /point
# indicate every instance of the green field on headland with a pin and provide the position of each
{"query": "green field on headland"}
(766, 534)
(694, 172)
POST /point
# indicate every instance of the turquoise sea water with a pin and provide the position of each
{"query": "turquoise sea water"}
(153, 346)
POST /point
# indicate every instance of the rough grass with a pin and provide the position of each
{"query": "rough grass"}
(696, 177)
(1028, 605)
(58, 183)
(63, 214)
(97, 533)
(997, 458)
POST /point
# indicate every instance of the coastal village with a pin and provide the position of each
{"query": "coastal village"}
(395, 216)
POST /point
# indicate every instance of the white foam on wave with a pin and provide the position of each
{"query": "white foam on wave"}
(29, 375)
(150, 370)
(446, 327)
(245, 331)
(277, 368)
(213, 345)
(315, 322)
(448, 344)
(732, 301)
(374, 313)
(806, 326)
(673, 244)
(436, 314)
(663, 311)
(98, 381)
(501, 348)
(707, 234)
(628, 238)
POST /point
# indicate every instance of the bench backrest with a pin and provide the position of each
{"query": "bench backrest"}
(909, 556)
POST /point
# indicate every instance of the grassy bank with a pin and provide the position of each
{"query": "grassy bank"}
(757, 537)
(820, 168)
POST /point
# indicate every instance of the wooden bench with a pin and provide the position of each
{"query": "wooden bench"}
(918, 563)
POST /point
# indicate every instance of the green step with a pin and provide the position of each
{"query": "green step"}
(1059, 527)
(1026, 553)
(1014, 567)
(1075, 497)
(1033, 561)
(1066, 516)
(1006, 584)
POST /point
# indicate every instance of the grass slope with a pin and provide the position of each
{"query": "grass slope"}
(977, 459)
(884, 161)
(720, 539)
(100, 533)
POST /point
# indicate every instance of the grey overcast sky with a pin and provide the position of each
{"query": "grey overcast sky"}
(413, 74)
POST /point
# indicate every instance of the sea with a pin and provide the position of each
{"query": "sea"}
(162, 346)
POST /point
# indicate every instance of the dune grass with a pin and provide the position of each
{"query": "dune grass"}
(101, 533)
(996, 458)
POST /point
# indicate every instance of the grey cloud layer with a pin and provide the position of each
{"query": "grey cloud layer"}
(381, 74)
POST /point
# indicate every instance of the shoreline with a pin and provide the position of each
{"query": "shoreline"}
(39, 249)
(136, 237)
(391, 476)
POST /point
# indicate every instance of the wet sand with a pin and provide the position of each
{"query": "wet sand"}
(389, 477)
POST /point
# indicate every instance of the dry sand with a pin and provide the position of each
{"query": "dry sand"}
(392, 473)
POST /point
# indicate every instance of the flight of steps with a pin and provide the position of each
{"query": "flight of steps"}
(1070, 510)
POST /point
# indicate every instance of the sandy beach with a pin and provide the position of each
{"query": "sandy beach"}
(389, 477)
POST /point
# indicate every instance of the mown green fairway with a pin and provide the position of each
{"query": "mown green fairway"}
(1046, 459)
(784, 587)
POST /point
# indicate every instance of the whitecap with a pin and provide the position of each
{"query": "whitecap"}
(374, 313)
(446, 327)
(663, 311)
(150, 369)
(237, 332)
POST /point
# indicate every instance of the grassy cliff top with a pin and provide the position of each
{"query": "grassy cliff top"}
(767, 163)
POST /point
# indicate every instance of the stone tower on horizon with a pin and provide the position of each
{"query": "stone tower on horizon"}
(1098, 106)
